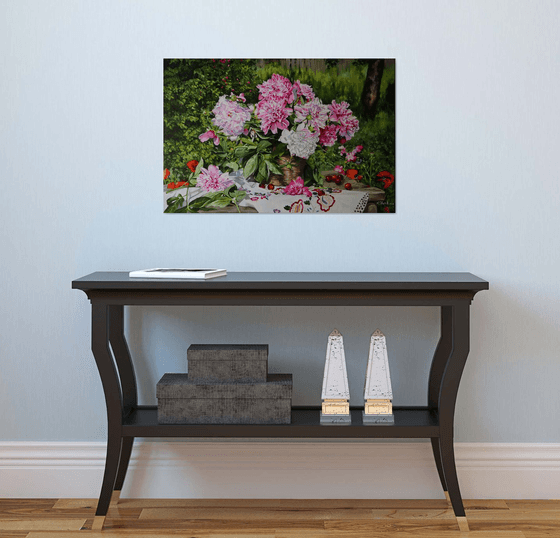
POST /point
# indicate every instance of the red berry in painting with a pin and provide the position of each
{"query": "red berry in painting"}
(270, 187)
(262, 186)
(348, 186)
(338, 180)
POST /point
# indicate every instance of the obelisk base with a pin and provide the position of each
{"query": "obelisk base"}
(377, 419)
(340, 420)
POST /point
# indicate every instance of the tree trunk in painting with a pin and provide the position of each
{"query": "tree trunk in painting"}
(372, 86)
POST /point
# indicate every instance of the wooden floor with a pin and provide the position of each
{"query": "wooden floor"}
(210, 518)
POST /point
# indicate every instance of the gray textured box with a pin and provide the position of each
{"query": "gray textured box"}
(184, 401)
(227, 362)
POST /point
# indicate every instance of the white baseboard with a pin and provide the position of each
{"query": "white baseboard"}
(280, 469)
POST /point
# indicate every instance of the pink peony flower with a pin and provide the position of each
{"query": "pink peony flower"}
(340, 113)
(278, 88)
(296, 187)
(348, 127)
(303, 90)
(208, 135)
(273, 115)
(230, 116)
(314, 114)
(213, 180)
(328, 135)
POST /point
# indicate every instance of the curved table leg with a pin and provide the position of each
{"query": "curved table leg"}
(441, 356)
(126, 450)
(437, 457)
(459, 325)
(113, 399)
(128, 384)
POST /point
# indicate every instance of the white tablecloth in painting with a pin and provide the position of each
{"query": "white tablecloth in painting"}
(322, 200)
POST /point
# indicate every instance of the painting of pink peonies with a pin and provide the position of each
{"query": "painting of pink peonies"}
(279, 136)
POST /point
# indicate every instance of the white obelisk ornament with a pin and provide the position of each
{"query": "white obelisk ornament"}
(378, 394)
(335, 395)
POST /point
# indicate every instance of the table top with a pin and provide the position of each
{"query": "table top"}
(290, 281)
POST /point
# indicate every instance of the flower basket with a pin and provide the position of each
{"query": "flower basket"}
(292, 167)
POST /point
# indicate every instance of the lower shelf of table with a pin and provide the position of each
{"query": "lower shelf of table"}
(410, 422)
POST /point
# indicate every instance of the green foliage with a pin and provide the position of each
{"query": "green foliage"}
(191, 89)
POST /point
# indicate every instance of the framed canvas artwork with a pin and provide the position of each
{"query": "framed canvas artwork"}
(279, 136)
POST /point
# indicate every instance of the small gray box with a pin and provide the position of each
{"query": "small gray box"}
(184, 401)
(228, 362)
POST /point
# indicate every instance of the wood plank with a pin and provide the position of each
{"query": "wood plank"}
(161, 534)
(426, 527)
(41, 524)
(537, 504)
(515, 515)
(401, 534)
(272, 514)
(194, 526)
(429, 527)
(412, 514)
(485, 504)
(30, 512)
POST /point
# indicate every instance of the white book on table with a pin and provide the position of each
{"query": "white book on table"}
(187, 274)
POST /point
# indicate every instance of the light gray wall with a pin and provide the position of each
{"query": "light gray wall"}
(477, 173)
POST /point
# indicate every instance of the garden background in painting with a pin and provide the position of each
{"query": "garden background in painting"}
(193, 87)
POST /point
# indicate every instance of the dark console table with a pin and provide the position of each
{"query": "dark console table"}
(109, 292)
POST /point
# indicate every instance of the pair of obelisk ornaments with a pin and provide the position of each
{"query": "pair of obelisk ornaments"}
(378, 394)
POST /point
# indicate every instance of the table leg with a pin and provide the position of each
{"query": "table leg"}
(128, 384)
(459, 329)
(439, 361)
(113, 400)
(126, 450)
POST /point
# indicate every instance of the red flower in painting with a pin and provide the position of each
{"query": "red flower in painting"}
(387, 178)
(351, 173)
(166, 173)
(172, 186)
(387, 210)
(191, 165)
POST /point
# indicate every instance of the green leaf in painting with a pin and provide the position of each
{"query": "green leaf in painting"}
(233, 165)
(251, 166)
(263, 144)
(263, 169)
(273, 168)
(199, 167)
(221, 202)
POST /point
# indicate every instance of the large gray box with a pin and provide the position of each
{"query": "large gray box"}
(185, 401)
(228, 362)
